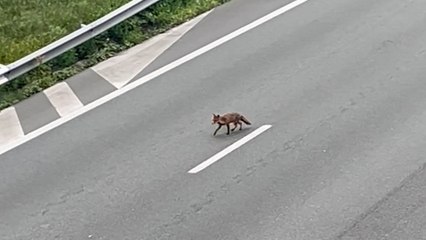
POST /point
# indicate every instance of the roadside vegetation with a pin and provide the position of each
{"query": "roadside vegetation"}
(27, 25)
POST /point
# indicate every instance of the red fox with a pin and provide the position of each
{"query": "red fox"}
(227, 119)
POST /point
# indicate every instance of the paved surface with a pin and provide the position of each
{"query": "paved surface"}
(399, 215)
(229, 17)
(342, 84)
(64, 98)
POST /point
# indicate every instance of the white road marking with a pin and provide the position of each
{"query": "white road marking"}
(10, 127)
(150, 76)
(119, 70)
(63, 98)
(229, 149)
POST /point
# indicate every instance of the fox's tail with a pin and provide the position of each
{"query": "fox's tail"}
(245, 120)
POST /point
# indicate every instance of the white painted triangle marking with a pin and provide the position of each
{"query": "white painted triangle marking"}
(10, 126)
(119, 70)
(63, 98)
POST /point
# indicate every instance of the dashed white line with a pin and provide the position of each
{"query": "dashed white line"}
(151, 76)
(229, 149)
(62, 97)
(10, 127)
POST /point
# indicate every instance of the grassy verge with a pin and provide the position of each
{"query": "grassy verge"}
(154, 20)
(28, 25)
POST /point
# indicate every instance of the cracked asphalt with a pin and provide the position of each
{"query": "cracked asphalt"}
(342, 84)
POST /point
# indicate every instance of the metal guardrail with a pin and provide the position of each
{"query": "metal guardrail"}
(86, 32)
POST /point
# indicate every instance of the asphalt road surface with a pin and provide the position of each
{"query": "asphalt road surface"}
(343, 85)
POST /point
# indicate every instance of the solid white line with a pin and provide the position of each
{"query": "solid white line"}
(10, 127)
(119, 70)
(150, 76)
(63, 98)
(229, 149)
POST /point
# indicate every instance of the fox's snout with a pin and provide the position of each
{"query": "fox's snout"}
(214, 119)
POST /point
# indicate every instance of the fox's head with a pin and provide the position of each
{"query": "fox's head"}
(215, 118)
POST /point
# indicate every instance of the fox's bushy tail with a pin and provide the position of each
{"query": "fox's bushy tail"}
(245, 120)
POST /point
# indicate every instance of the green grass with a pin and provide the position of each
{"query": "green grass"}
(28, 25)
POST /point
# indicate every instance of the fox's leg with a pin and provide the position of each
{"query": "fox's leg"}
(227, 127)
(241, 125)
(217, 129)
(235, 126)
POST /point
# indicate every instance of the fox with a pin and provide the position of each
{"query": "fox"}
(227, 119)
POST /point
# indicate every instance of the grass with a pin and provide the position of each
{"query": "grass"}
(28, 25)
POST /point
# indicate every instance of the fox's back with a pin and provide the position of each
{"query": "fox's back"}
(230, 117)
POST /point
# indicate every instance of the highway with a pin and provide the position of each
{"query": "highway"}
(340, 82)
